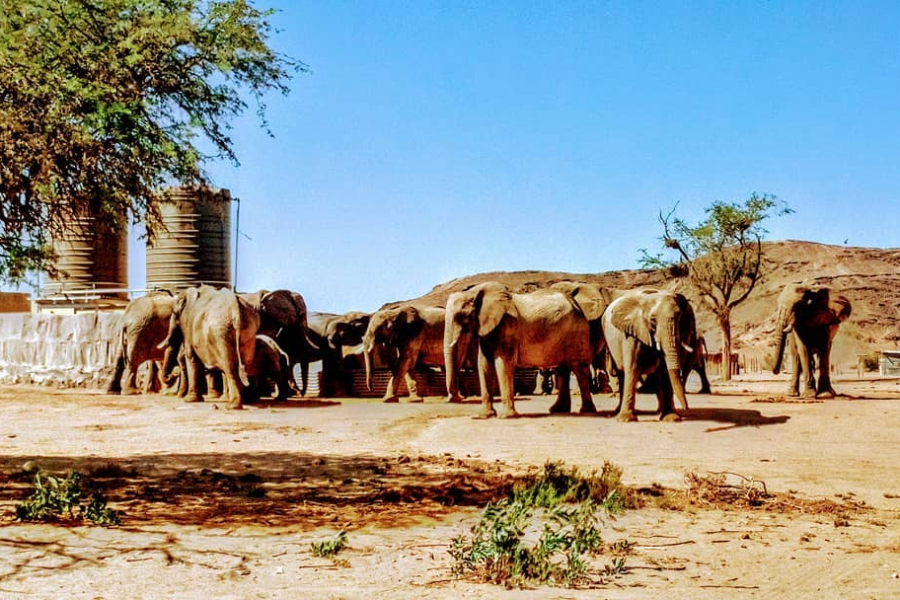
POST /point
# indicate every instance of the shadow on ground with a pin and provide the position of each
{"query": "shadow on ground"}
(296, 490)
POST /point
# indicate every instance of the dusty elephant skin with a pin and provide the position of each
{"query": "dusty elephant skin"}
(223, 504)
(145, 324)
(647, 332)
(809, 317)
(408, 335)
(541, 329)
(217, 330)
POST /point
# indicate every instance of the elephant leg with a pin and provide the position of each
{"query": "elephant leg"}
(390, 394)
(664, 397)
(129, 379)
(563, 402)
(194, 367)
(628, 383)
(804, 372)
(823, 388)
(115, 384)
(413, 386)
(704, 381)
(583, 376)
(505, 376)
(794, 382)
(214, 385)
(152, 386)
(486, 379)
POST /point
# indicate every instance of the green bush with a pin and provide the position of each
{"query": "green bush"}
(56, 498)
(540, 533)
(329, 546)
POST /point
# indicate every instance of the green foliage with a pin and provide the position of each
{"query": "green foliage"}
(104, 102)
(55, 498)
(541, 532)
(722, 255)
(329, 546)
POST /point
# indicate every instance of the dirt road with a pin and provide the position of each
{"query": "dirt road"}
(225, 504)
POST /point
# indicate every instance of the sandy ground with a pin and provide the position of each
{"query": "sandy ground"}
(220, 504)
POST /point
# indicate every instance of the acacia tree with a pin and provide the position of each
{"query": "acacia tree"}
(103, 103)
(722, 256)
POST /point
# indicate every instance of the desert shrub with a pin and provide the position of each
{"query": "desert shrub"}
(329, 546)
(542, 531)
(56, 498)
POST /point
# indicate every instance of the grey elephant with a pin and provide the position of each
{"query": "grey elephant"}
(408, 335)
(217, 330)
(646, 332)
(329, 335)
(592, 299)
(809, 317)
(696, 361)
(271, 368)
(145, 324)
(541, 329)
(284, 318)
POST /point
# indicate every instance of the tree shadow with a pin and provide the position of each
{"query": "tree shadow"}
(281, 489)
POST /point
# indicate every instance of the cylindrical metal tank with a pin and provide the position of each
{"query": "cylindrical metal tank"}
(195, 245)
(90, 258)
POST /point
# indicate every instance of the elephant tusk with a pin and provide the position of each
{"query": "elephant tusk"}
(687, 348)
(788, 329)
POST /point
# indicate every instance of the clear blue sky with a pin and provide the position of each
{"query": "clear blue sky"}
(436, 139)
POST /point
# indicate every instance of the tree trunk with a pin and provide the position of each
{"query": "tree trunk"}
(725, 325)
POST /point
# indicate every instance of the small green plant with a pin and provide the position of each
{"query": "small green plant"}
(56, 498)
(616, 567)
(329, 546)
(540, 533)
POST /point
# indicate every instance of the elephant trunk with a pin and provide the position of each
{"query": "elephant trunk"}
(669, 343)
(452, 334)
(782, 329)
(368, 350)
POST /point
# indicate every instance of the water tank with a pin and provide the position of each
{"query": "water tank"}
(90, 257)
(195, 245)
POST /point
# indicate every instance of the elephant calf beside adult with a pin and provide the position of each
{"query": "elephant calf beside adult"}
(541, 329)
(808, 318)
(647, 333)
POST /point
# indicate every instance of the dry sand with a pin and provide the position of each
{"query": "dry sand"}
(221, 504)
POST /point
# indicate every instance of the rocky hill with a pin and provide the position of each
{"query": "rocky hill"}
(869, 277)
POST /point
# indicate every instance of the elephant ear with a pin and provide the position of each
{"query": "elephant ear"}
(590, 300)
(629, 315)
(494, 302)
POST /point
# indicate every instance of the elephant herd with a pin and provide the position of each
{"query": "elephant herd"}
(215, 342)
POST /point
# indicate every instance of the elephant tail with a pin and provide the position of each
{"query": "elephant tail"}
(242, 368)
(115, 384)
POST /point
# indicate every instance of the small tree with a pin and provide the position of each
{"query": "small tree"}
(105, 102)
(722, 256)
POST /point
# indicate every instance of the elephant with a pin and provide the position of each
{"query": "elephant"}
(145, 323)
(271, 366)
(809, 315)
(592, 300)
(283, 317)
(646, 332)
(217, 330)
(541, 329)
(696, 361)
(329, 334)
(409, 335)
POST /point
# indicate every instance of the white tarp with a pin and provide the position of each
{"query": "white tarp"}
(64, 350)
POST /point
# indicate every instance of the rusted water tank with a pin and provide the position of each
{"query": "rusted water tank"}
(195, 246)
(90, 257)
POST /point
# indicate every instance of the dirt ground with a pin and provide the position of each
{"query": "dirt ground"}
(221, 504)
